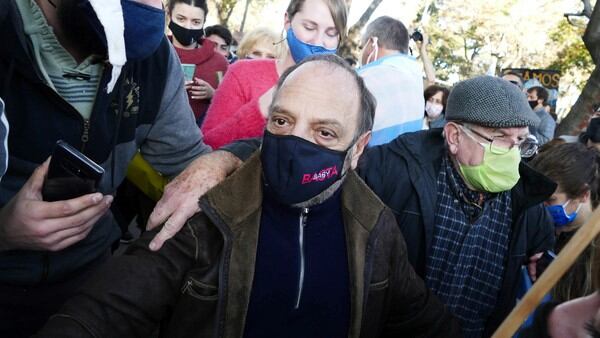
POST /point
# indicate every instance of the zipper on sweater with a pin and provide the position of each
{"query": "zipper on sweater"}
(86, 134)
(301, 225)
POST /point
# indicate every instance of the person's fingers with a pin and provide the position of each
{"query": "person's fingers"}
(46, 230)
(70, 207)
(76, 237)
(168, 231)
(173, 225)
(36, 181)
(79, 227)
(531, 267)
(79, 219)
(198, 95)
(163, 209)
(536, 257)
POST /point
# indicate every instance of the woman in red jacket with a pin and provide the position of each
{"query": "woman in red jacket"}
(202, 66)
(239, 107)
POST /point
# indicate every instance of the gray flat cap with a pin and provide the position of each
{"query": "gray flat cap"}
(490, 102)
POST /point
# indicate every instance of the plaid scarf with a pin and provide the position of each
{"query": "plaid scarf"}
(470, 243)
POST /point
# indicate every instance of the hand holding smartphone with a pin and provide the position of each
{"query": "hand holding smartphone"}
(70, 174)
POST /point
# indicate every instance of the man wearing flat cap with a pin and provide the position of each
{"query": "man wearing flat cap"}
(471, 212)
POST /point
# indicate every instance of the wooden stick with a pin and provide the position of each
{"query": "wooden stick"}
(550, 277)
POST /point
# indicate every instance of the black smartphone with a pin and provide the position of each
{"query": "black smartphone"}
(542, 263)
(70, 174)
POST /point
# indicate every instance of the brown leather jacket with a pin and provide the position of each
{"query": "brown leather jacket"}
(199, 283)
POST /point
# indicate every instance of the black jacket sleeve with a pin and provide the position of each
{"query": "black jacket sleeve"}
(540, 230)
(130, 294)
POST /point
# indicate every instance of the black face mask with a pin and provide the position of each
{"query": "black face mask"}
(533, 104)
(186, 36)
(296, 170)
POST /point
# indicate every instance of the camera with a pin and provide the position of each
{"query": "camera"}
(417, 36)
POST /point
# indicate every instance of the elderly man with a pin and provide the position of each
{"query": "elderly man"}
(292, 245)
(471, 212)
(395, 79)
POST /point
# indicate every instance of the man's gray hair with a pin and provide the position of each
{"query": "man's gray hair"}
(366, 113)
(390, 33)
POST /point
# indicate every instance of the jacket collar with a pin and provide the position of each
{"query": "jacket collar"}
(235, 206)
(17, 51)
(426, 149)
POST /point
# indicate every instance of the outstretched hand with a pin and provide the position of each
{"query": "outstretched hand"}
(181, 196)
(29, 223)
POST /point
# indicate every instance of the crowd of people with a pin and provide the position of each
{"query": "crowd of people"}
(306, 197)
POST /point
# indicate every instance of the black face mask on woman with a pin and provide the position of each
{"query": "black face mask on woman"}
(296, 170)
(186, 36)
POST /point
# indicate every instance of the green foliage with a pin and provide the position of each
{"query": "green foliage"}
(468, 36)
(572, 54)
(224, 9)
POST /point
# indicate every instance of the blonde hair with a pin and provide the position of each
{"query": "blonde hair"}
(257, 36)
(337, 8)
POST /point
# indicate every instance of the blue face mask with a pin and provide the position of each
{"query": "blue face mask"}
(144, 28)
(560, 216)
(301, 50)
(296, 170)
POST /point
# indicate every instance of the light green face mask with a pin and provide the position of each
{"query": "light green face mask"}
(498, 172)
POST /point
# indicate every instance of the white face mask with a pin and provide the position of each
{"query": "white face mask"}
(433, 110)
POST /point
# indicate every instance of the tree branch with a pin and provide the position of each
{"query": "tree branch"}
(367, 14)
(591, 37)
(587, 8)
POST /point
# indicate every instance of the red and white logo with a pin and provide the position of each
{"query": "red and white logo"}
(320, 176)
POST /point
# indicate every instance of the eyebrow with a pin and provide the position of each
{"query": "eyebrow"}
(330, 122)
(310, 22)
(316, 24)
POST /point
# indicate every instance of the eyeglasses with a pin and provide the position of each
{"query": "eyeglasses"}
(527, 148)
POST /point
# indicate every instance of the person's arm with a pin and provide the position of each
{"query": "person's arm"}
(180, 199)
(130, 294)
(546, 129)
(232, 115)
(414, 310)
(427, 64)
(174, 139)
(29, 223)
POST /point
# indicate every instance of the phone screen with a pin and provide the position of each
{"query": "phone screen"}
(188, 71)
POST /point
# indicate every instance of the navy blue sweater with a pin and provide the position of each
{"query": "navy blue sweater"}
(301, 279)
